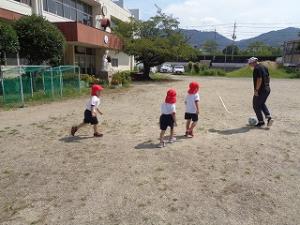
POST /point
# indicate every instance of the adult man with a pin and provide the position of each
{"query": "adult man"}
(261, 82)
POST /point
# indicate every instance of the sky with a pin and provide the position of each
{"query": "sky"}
(252, 17)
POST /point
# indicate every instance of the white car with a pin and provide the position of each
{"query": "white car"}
(166, 68)
(179, 69)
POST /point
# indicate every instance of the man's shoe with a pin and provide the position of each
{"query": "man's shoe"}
(270, 122)
(260, 124)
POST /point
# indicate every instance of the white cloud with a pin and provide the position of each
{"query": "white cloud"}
(221, 14)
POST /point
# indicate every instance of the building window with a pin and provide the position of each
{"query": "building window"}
(27, 2)
(70, 9)
(85, 58)
(114, 62)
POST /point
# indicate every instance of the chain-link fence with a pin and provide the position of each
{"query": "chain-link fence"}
(20, 84)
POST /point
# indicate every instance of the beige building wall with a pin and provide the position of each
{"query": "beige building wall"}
(16, 7)
(125, 62)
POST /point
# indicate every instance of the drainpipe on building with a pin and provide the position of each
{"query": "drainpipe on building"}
(37, 7)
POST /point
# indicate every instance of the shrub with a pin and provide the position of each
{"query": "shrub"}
(204, 67)
(190, 66)
(91, 79)
(196, 67)
(213, 72)
(8, 40)
(39, 40)
(123, 78)
(296, 73)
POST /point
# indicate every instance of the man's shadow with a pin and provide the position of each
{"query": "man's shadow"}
(71, 139)
(240, 130)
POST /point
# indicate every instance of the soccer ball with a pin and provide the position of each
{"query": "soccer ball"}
(252, 121)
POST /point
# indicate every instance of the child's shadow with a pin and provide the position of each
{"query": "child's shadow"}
(150, 145)
(146, 145)
(70, 139)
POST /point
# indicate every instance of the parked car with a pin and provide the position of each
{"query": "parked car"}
(179, 69)
(166, 68)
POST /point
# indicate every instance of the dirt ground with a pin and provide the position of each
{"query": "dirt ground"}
(227, 174)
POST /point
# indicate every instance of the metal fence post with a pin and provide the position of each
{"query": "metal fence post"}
(43, 78)
(2, 83)
(31, 84)
(52, 84)
(61, 82)
(21, 90)
(79, 78)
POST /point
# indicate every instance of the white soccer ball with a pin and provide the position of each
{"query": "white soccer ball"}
(252, 121)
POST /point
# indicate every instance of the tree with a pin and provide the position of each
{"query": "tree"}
(154, 41)
(231, 50)
(8, 40)
(259, 48)
(40, 40)
(210, 47)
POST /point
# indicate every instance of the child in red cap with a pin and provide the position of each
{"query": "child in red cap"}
(192, 108)
(90, 113)
(168, 117)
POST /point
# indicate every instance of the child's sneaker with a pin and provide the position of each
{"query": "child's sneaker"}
(98, 135)
(172, 140)
(186, 134)
(73, 130)
(191, 134)
(161, 145)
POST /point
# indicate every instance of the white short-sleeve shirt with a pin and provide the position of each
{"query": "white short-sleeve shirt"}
(190, 106)
(168, 109)
(93, 102)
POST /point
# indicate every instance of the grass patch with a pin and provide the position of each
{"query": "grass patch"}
(247, 72)
(274, 70)
(161, 77)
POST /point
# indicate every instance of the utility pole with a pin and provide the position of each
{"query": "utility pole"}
(159, 10)
(233, 39)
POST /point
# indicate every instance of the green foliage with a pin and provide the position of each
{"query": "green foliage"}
(91, 79)
(204, 67)
(123, 78)
(8, 40)
(39, 40)
(293, 72)
(210, 47)
(213, 72)
(196, 67)
(190, 66)
(274, 72)
(261, 49)
(154, 41)
(231, 49)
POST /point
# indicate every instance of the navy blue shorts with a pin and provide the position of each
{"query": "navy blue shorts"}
(191, 116)
(166, 121)
(88, 117)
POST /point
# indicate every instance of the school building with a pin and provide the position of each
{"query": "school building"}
(85, 25)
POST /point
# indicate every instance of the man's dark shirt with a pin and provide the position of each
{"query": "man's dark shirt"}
(260, 71)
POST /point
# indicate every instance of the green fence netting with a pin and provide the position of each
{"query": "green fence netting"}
(20, 84)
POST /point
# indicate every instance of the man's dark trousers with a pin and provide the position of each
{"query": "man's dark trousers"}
(259, 105)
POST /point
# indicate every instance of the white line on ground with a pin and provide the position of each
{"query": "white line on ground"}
(224, 104)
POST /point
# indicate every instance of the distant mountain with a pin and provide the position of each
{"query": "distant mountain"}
(198, 38)
(273, 38)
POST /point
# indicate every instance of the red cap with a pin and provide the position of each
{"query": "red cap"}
(194, 87)
(171, 97)
(95, 89)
